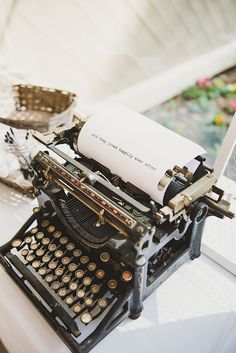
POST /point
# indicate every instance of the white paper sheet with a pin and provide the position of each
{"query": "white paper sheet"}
(135, 148)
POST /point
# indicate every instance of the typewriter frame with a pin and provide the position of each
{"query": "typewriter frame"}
(146, 242)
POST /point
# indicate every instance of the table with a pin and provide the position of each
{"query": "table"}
(194, 311)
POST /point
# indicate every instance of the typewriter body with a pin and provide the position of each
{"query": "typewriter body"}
(96, 246)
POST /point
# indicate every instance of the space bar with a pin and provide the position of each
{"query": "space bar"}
(57, 309)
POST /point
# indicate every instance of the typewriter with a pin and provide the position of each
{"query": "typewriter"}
(96, 246)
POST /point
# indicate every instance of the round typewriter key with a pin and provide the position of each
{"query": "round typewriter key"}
(84, 259)
(34, 246)
(69, 300)
(95, 289)
(52, 265)
(127, 276)
(100, 274)
(105, 257)
(36, 209)
(92, 266)
(16, 243)
(102, 302)
(73, 286)
(80, 293)
(57, 234)
(66, 260)
(30, 257)
(39, 235)
(36, 264)
(77, 308)
(40, 252)
(88, 301)
(66, 279)
(86, 318)
(63, 240)
(51, 229)
(42, 271)
(70, 246)
(112, 284)
(34, 230)
(45, 241)
(58, 254)
(59, 271)
(49, 278)
(55, 285)
(77, 253)
(72, 267)
(46, 258)
(44, 223)
(62, 292)
(87, 281)
(28, 240)
(24, 252)
(79, 273)
(52, 247)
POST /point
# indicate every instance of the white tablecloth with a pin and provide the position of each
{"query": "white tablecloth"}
(192, 312)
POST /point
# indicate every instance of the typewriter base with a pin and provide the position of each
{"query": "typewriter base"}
(127, 303)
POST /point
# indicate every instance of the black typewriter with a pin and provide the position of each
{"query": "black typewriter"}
(96, 246)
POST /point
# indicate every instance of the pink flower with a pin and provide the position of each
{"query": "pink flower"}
(204, 82)
(233, 105)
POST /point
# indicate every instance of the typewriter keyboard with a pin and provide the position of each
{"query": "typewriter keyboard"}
(84, 282)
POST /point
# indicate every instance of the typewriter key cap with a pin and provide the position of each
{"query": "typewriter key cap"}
(36, 209)
(102, 302)
(77, 308)
(92, 266)
(62, 292)
(55, 285)
(66, 278)
(87, 281)
(34, 230)
(95, 289)
(69, 300)
(84, 259)
(40, 252)
(52, 265)
(39, 235)
(112, 284)
(51, 229)
(63, 240)
(65, 260)
(24, 252)
(80, 293)
(105, 257)
(72, 267)
(86, 318)
(28, 240)
(57, 234)
(100, 274)
(127, 276)
(77, 253)
(58, 254)
(46, 258)
(49, 278)
(44, 223)
(73, 286)
(52, 247)
(70, 246)
(34, 246)
(88, 301)
(42, 271)
(30, 257)
(36, 264)
(79, 273)
(59, 271)
(16, 243)
(45, 241)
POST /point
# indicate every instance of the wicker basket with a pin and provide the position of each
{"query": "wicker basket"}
(25, 106)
